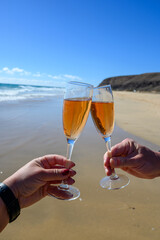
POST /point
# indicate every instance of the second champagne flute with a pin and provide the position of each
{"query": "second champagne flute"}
(102, 111)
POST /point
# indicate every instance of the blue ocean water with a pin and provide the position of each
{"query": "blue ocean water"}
(18, 92)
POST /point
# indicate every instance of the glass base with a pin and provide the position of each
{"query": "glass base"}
(120, 181)
(70, 193)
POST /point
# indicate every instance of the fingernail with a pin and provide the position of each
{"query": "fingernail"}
(73, 172)
(65, 172)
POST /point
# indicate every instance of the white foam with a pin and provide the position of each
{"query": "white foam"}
(11, 92)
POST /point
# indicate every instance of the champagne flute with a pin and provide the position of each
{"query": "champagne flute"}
(102, 111)
(76, 108)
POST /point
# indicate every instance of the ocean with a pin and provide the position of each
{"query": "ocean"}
(19, 92)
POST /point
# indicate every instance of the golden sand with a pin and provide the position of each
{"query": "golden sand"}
(139, 114)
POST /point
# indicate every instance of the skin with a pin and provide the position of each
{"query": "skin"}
(133, 158)
(36, 180)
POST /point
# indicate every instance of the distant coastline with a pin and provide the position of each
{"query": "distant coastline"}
(147, 82)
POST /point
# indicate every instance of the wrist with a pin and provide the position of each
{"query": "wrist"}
(11, 183)
(10, 201)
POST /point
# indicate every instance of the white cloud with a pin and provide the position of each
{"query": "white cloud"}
(58, 77)
(65, 77)
(19, 75)
(14, 71)
(17, 70)
(72, 77)
(6, 70)
(37, 74)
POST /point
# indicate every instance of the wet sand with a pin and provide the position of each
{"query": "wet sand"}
(31, 129)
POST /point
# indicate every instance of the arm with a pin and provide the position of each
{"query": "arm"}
(133, 158)
(33, 182)
(4, 218)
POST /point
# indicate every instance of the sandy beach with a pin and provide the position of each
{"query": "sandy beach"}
(29, 129)
(139, 114)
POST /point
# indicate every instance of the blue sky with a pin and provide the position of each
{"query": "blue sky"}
(48, 42)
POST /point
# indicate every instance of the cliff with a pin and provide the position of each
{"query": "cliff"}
(147, 82)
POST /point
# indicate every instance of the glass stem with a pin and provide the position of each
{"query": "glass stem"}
(70, 145)
(113, 176)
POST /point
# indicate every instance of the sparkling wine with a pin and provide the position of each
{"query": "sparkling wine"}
(75, 114)
(103, 117)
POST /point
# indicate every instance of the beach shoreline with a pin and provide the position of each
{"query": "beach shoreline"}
(30, 129)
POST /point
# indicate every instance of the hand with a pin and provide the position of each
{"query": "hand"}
(133, 158)
(34, 181)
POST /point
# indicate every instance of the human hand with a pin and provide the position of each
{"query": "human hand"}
(133, 158)
(35, 180)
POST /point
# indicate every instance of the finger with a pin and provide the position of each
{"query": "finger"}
(68, 181)
(123, 148)
(57, 174)
(120, 162)
(50, 161)
(108, 171)
(106, 158)
(71, 171)
(60, 194)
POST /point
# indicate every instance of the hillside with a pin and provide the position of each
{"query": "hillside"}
(147, 82)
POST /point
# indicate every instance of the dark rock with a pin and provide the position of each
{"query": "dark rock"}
(147, 82)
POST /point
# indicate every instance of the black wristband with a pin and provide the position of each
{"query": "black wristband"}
(10, 201)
